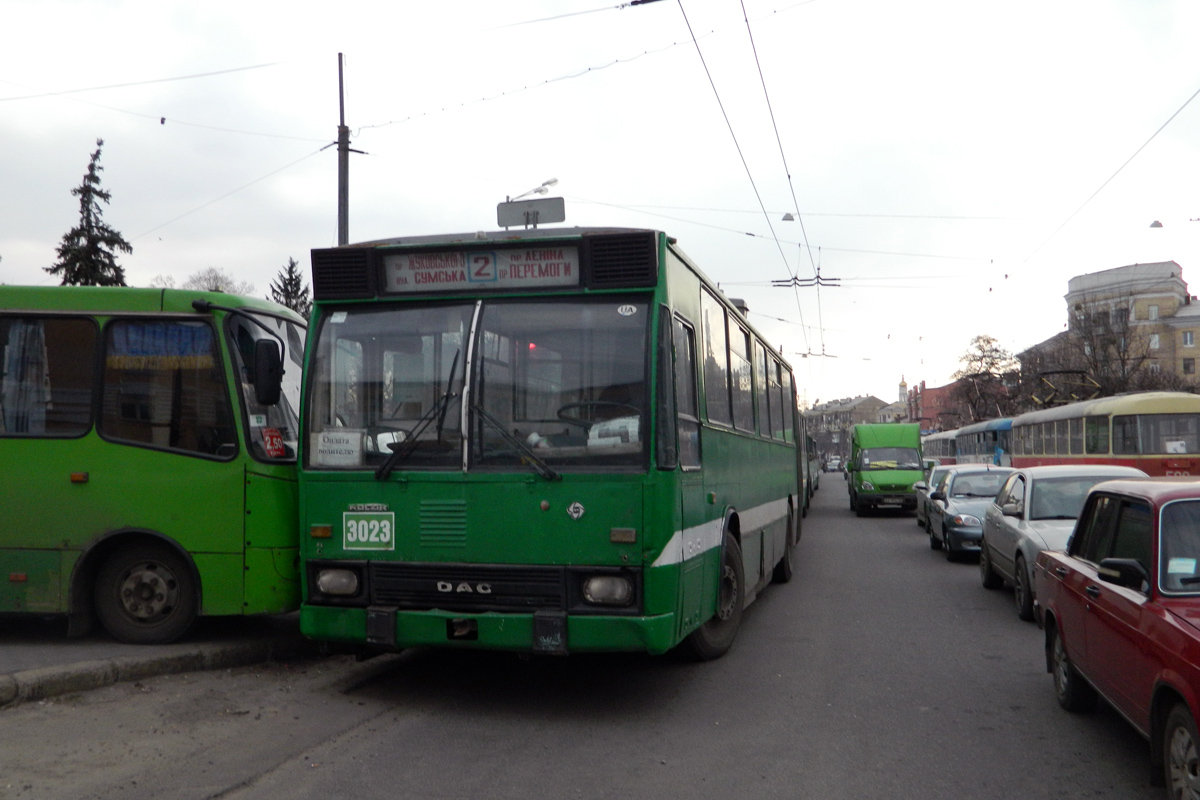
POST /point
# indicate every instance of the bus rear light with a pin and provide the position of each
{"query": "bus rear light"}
(321, 531)
(607, 590)
(338, 582)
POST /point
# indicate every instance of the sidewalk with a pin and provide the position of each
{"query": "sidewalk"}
(37, 660)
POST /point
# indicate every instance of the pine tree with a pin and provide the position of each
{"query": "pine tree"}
(86, 255)
(289, 289)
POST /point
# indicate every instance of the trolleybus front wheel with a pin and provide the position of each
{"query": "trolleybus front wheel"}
(145, 594)
(714, 638)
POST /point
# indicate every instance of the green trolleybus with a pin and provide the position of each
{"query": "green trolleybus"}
(148, 444)
(546, 441)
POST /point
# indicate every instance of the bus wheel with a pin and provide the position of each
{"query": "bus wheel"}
(145, 594)
(714, 638)
(785, 567)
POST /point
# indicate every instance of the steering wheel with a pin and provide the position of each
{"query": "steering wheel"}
(593, 404)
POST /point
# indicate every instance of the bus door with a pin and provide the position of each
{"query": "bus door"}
(45, 413)
(694, 510)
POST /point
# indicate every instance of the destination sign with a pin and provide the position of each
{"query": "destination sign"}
(515, 268)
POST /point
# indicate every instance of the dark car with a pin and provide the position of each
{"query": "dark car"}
(957, 505)
(1121, 610)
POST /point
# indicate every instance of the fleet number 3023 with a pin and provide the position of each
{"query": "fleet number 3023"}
(369, 530)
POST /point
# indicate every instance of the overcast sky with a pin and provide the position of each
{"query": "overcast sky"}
(952, 163)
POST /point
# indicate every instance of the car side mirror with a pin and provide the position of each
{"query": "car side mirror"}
(268, 372)
(1012, 510)
(937, 496)
(1127, 572)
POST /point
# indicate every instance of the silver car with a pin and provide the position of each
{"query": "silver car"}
(1035, 510)
(923, 488)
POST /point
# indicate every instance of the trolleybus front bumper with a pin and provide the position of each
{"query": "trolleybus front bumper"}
(550, 632)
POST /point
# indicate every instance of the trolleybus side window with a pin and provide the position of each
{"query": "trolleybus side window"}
(48, 369)
(740, 377)
(685, 395)
(761, 393)
(164, 387)
(716, 365)
(788, 406)
(775, 374)
(1096, 435)
(1076, 436)
(667, 442)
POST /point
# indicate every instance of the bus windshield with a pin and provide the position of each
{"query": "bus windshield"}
(563, 379)
(273, 430)
(567, 378)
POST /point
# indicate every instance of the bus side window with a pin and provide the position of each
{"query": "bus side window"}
(164, 386)
(716, 360)
(687, 415)
(666, 425)
(760, 390)
(47, 366)
(775, 373)
(789, 405)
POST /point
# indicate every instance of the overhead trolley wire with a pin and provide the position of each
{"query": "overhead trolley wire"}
(742, 156)
(1114, 175)
(795, 282)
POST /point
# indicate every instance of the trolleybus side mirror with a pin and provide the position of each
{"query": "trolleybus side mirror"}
(268, 372)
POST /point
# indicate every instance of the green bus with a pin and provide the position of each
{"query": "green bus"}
(548, 441)
(148, 443)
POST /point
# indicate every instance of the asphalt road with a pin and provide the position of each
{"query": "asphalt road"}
(880, 671)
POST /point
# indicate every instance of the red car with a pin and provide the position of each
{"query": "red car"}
(1121, 612)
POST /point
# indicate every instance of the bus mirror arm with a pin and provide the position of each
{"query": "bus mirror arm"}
(268, 372)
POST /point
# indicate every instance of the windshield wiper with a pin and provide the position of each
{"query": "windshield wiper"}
(437, 410)
(541, 467)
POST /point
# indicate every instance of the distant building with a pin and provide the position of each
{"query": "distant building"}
(829, 423)
(1128, 328)
(897, 411)
(934, 407)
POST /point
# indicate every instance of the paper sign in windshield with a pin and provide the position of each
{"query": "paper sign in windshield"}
(524, 268)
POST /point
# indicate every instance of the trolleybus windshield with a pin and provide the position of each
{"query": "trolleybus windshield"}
(563, 379)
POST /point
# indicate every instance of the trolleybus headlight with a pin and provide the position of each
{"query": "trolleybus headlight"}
(608, 590)
(340, 582)
(966, 519)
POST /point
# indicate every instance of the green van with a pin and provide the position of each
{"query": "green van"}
(885, 462)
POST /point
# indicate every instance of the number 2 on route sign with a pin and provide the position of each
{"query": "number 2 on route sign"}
(369, 530)
(481, 267)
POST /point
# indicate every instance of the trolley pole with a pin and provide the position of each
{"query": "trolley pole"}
(343, 148)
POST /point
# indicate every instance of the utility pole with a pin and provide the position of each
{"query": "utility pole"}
(343, 148)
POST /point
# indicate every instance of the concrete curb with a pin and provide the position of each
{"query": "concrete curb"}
(82, 676)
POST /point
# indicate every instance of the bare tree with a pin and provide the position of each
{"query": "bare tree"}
(1104, 342)
(212, 279)
(982, 386)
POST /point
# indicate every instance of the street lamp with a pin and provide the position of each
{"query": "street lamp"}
(541, 189)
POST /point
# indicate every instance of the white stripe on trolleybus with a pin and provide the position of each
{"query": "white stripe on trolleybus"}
(691, 542)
